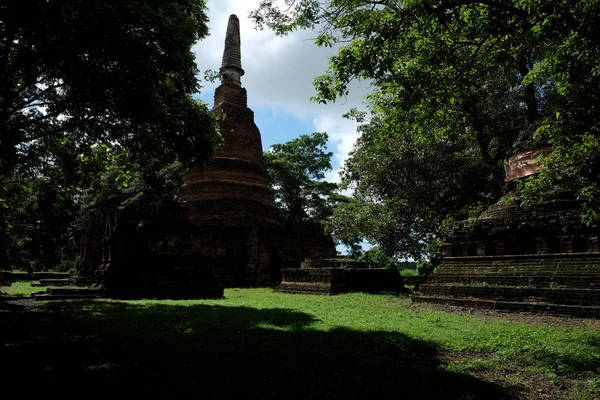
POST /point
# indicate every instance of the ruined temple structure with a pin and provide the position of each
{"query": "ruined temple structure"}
(335, 276)
(91, 249)
(225, 229)
(519, 257)
(230, 202)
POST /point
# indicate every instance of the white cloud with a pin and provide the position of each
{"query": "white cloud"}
(342, 135)
(279, 74)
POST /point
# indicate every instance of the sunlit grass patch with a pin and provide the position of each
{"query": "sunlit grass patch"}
(20, 289)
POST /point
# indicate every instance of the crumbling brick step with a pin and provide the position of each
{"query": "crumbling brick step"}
(304, 288)
(581, 281)
(71, 291)
(48, 296)
(571, 296)
(539, 308)
(54, 282)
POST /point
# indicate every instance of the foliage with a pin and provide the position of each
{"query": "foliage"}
(458, 86)
(296, 171)
(35, 228)
(109, 71)
(425, 267)
(407, 184)
(379, 258)
(78, 78)
(126, 183)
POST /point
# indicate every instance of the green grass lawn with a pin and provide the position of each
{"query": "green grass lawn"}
(21, 289)
(302, 346)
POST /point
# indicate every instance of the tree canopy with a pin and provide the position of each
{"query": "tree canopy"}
(104, 71)
(87, 88)
(296, 172)
(458, 85)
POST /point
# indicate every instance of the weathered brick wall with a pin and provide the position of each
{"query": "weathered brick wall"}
(229, 169)
(151, 256)
(223, 189)
(335, 263)
(514, 224)
(548, 264)
(296, 243)
(233, 192)
(231, 225)
(241, 137)
(92, 249)
(575, 281)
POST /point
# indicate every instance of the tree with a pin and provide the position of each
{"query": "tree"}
(296, 170)
(76, 75)
(104, 71)
(377, 257)
(407, 184)
(47, 214)
(126, 183)
(458, 86)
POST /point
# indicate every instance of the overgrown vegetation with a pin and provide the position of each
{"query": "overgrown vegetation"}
(458, 85)
(92, 94)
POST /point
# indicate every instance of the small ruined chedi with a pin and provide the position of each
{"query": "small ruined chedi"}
(224, 230)
(537, 257)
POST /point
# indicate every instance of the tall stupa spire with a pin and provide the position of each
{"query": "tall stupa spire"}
(231, 68)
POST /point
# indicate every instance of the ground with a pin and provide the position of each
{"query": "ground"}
(259, 344)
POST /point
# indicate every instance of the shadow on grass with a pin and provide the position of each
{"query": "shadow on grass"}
(91, 350)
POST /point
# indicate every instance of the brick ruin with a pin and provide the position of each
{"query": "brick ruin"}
(230, 202)
(537, 257)
(334, 276)
(225, 229)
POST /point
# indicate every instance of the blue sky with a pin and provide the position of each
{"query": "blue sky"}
(278, 77)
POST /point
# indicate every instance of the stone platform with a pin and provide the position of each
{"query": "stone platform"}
(515, 257)
(334, 277)
(69, 293)
(53, 282)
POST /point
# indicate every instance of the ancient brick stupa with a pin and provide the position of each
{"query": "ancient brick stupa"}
(537, 257)
(224, 230)
(230, 201)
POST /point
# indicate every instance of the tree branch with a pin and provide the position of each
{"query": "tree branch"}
(27, 103)
(450, 4)
(530, 98)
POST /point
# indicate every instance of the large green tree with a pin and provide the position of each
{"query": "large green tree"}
(77, 75)
(114, 71)
(458, 86)
(297, 170)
